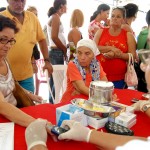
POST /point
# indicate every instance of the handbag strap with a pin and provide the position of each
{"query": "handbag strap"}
(11, 71)
(131, 60)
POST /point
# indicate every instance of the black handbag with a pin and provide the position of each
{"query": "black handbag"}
(142, 85)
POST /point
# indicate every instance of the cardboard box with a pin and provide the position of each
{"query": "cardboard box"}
(132, 124)
(119, 109)
(123, 106)
(70, 112)
(125, 119)
(130, 109)
(96, 123)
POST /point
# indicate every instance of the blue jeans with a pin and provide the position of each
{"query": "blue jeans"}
(56, 57)
(119, 84)
(27, 84)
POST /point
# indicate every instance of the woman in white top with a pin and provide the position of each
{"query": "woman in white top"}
(8, 102)
(55, 31)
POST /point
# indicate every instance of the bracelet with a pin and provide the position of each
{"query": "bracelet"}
(47, 59)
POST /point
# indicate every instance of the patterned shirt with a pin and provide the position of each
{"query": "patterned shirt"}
(94, 25)
(7, 86)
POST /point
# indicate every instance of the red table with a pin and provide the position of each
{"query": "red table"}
(47, 111)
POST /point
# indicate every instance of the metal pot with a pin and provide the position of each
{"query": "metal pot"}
(101, 92)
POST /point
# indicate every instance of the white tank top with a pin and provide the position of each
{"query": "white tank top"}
(7, 85)
(60, 35)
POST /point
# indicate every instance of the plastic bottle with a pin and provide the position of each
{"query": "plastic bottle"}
(72, 50)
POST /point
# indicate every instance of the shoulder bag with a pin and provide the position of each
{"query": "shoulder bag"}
(131, 76)
(23, 100)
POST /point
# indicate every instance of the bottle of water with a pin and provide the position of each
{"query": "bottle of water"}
(72, 50)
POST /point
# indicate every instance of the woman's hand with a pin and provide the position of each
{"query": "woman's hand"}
(115, 97)
(138, 106)
(113, 53)
(117, 52)
(76, 132)
(75, 92)
(109, 54)
(35, 133)
(36, 98)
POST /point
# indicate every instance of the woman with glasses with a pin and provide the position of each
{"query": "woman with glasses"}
(7, 100)
(115, 43)
(30, 32)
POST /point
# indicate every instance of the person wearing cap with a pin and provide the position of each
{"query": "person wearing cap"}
(83, 69)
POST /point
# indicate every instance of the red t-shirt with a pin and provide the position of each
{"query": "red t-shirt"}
(73, 74)
(114, 68)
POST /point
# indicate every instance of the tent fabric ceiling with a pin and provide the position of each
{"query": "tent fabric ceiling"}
(143, 7)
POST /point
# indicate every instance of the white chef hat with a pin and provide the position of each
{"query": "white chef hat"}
(88, 43)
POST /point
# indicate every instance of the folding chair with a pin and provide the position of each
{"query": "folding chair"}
(40, 76)
(60, 82)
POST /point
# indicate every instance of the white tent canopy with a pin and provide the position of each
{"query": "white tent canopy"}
(88, 9)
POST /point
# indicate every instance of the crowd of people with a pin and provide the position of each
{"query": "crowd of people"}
(96, 58)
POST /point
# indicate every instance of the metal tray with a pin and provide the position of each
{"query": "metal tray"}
(93, 109)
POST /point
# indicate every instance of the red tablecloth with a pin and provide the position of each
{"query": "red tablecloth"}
(47, 111)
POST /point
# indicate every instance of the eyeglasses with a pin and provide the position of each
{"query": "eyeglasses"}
(5, 41)
(122, 9)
